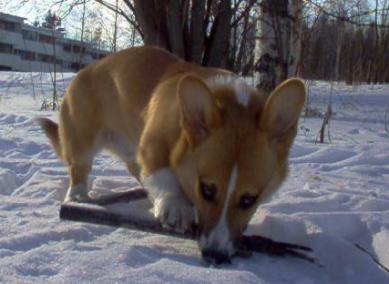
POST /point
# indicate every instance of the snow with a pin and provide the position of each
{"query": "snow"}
(336, 196)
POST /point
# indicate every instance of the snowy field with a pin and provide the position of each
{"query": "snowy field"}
(336, 197)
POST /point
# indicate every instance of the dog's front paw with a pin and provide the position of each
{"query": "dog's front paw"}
(174, 212)
(77, 193)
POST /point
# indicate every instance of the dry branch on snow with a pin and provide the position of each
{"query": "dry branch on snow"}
(94, 212)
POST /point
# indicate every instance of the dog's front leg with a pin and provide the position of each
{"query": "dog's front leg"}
(171, 206)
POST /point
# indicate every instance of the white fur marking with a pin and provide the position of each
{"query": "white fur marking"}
(239, 86)
(161, 182)
(219, 237)
(171, 206)
(77, 192)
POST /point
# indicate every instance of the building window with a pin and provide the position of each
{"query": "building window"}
(30, 35)
(75, 66)
(76, 49)
(94, 55)
(5, 48)
(45, 58)
(67, 64)
(45, 38)
(26, 55)
(5, 68)
(9, 26)
(67, 47)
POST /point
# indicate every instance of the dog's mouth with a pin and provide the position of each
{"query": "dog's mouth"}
(214, 257)
(217, 252)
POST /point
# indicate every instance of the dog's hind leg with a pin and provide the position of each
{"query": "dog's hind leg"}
(79, 142)
(78, 189)
(133, 168)
(120, 145)
(79, 159)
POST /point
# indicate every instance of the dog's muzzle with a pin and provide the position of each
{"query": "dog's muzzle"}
(216, 251)
(215, 257)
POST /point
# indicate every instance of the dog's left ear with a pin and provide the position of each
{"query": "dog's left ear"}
(283, 108)
(199, 113)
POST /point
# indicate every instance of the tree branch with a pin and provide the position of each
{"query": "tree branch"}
(121, 13)
(348, 18)
(92, 213)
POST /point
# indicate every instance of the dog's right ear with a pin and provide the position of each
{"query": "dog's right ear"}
(199, 113)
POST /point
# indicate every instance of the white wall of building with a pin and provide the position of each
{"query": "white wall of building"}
(27, 48)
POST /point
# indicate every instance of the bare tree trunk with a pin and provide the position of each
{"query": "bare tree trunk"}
(152, 22)
(326, 119)
(175, 27)
(162, 23)
(278, 44)
(295, 37)
(82, 34)
(219, 38)
(336, 77)
(55, 96)
(242, 45)
(339, 43)
(133, 37)
(377, 39)
(197, 31)
(115, 28)
(194, 30)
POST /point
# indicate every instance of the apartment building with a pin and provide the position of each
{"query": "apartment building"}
(24, 47)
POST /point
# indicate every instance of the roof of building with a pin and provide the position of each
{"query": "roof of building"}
(12, 18)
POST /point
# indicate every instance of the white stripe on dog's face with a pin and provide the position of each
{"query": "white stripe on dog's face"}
(219, 237)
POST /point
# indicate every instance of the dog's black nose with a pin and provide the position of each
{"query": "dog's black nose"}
(215, 257)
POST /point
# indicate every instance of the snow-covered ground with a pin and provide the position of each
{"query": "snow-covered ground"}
(336, 197)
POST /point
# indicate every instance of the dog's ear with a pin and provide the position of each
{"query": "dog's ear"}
(199, 113)
(283, 108)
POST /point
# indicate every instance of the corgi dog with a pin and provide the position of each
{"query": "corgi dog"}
(207, 146)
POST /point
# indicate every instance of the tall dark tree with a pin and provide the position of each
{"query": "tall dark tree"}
(195, 30)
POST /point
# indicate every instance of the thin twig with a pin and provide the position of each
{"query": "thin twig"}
(346, 18)
(372, 257)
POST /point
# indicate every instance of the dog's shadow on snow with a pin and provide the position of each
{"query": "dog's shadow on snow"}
(332, 240)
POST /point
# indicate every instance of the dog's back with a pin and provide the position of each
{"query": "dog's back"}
(103, 108)
(116, 90)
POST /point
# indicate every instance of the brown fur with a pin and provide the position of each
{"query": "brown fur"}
(51, 130)
(163, 106)
(249, 138)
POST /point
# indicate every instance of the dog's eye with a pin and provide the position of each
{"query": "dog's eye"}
(246, 201)
(208, 191)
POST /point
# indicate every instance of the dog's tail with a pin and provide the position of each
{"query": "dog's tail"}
(51, 130)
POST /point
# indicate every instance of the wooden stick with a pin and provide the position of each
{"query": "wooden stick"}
(97, 214)
(118, 197)
(89, 213)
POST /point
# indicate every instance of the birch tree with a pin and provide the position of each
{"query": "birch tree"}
(278, 42)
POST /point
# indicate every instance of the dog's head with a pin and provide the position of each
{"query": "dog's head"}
(232, 153)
